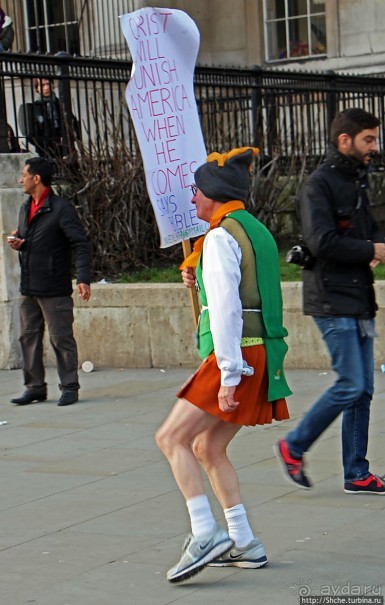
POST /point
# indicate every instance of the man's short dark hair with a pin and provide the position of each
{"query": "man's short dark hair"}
(41, 167)
(351, 122)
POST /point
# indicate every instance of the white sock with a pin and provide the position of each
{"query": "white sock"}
(238, 525)
(201, 516)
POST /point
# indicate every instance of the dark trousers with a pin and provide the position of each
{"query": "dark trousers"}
(57, 314)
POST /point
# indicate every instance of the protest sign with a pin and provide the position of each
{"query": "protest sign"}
(160, 95)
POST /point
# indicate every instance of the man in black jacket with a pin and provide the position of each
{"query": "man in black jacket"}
(346, 244)
(48, 234)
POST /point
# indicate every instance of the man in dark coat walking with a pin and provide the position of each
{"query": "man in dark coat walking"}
(346, 244)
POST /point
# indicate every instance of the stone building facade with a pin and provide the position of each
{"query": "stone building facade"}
(313, 35)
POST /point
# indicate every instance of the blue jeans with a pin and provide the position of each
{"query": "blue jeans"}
(352, 359)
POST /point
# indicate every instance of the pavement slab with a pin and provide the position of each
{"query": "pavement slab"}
(91, 515)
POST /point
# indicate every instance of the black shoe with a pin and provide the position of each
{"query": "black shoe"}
(68, 398)
(29, 397)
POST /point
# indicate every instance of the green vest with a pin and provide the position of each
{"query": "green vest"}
(259, 288)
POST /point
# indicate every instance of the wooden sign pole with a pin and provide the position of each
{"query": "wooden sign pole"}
(186, 247)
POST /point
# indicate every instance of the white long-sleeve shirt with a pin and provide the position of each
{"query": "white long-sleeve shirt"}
(222, 258)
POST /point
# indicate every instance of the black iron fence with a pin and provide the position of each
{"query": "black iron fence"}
(283, 113)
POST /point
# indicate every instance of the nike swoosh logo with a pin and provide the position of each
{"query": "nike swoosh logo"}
(204, 546)
(235, 556)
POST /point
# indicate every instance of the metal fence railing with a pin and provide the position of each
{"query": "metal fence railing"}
(281, 112)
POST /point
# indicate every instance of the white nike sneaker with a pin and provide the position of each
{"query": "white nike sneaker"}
(198, 553)
(249, 557)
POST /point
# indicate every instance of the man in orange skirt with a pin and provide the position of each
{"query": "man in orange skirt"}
(241, 380)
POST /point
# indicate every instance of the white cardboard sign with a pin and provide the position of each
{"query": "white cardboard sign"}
(164, 45)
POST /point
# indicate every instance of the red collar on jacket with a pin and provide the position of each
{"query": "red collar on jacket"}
(34, 207)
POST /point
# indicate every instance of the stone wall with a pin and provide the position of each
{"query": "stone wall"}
(10, 200)
(151, 325)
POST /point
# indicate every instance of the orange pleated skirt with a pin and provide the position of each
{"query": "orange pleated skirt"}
(254, 408)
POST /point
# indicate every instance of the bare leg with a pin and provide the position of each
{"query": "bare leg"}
(175, 438)
(183, 427)
(210, 450)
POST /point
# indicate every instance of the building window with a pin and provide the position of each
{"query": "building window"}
(294, 29)
(52, 26)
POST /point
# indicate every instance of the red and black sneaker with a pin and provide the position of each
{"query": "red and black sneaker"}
(370, 485)
(293, 468)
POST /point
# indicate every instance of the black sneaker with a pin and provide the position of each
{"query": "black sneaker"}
(370, 485)
(293, 468)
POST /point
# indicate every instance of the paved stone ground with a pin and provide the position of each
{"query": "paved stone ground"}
(90, 514)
